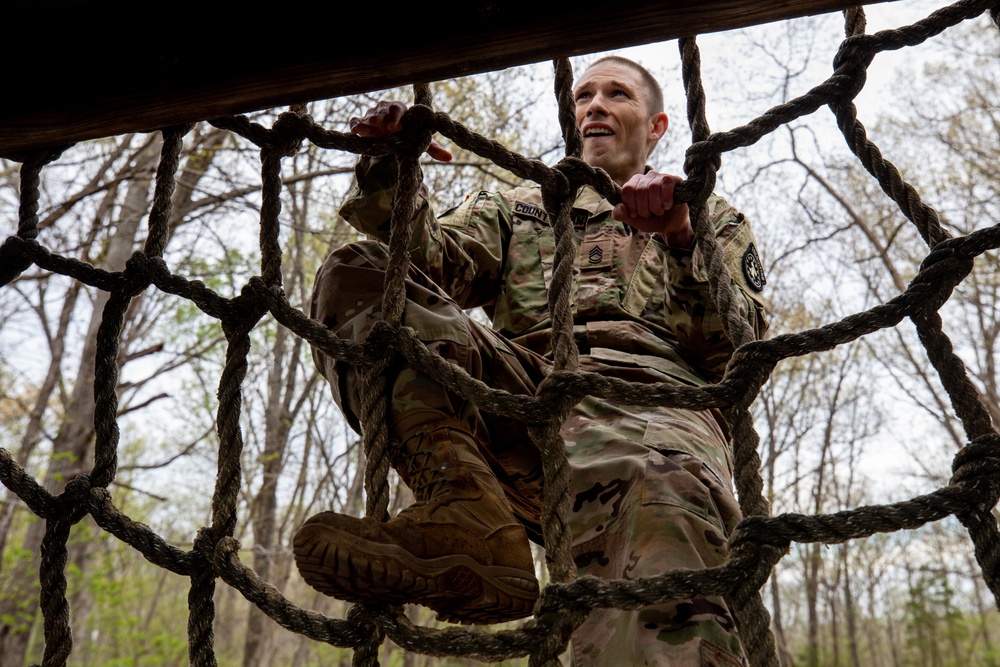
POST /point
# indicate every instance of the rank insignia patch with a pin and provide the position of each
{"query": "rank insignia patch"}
(596, 254)
(753, 270)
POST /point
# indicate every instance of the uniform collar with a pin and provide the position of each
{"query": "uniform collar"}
(588, 200)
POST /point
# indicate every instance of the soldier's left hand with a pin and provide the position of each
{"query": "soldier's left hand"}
(648, 205)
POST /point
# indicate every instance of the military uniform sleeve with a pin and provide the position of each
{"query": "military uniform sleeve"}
(463, 251)
(691, 312)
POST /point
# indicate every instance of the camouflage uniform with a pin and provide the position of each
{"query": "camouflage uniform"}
(651, 486)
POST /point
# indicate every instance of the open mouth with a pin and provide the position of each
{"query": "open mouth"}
(597, 132)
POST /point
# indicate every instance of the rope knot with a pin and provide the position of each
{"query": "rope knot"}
(700, 161)
(978, 460)
(753, 532)
(225, 547)
(942, 251)
(577, 171)
(287, 133)
(361, 617)
(205, 544)
(76, 496)
(14, 257)
(852, 60)
(556, 188)
(418, 117)
(418, 122)
(701, 164)
(139, 271)
(257, 286)
(380, 339)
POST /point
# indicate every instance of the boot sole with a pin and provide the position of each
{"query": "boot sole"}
(460, 589)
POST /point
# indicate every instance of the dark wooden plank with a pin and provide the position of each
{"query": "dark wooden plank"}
(93, 69)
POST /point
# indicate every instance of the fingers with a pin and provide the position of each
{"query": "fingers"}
(648, 205)
(386, 119)
(382, 120)
(438, 152)
(649, 194)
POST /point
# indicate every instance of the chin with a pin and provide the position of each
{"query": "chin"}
(596, 161)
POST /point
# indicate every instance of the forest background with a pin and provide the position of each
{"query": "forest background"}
(861, 424)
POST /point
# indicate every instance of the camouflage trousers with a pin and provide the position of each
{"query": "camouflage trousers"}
(642, 502)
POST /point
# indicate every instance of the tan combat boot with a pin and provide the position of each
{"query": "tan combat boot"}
(457, 550)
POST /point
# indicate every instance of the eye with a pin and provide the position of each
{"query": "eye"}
(582, 96)
(619, 93)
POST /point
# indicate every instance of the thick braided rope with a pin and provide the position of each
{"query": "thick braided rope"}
(982, 244)
(748, 607)
(756, 545)
(563, 84)
(13, 263)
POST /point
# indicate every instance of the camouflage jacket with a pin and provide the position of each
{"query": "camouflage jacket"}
(636, 301)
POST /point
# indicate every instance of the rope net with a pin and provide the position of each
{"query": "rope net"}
(758, 543)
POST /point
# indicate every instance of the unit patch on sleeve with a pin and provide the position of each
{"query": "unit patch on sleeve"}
(753, 270)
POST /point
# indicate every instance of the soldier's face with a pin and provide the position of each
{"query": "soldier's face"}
(613, 117)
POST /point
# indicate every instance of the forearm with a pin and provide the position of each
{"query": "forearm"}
(462, 252)
(691, 309)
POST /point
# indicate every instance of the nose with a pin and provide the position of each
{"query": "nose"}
(598, 105)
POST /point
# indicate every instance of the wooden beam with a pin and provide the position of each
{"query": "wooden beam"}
(94, 69)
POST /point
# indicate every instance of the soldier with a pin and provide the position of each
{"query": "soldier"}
(651, 487)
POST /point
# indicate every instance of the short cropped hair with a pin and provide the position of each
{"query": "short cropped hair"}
(655, 92)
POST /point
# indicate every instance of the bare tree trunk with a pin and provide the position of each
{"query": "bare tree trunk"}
(850, 612)
(893, 631)
(832, 599)
(33, 430)
(785, 656)
(56, 339)
(983, 609)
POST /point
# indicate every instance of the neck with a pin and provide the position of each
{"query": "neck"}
(625, 175)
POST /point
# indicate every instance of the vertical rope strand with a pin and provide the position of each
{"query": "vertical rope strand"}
(52, 597)
(422, 94)
(855, 21)
(166, 183)
(11, 262)
(270, 212)
(106, 374)
(752, 615)
(201, 606)
(229, 479)
(563, 85)
(847, 60)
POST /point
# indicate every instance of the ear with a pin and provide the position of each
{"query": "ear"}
(658, 126)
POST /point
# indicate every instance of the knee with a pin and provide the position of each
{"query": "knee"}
(349, 283)
(343, 262)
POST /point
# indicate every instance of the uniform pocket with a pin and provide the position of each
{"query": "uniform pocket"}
(523, 301)
(692, 432)
(668, 482)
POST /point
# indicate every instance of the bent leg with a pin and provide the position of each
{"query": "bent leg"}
(459, 549)
(347, 298)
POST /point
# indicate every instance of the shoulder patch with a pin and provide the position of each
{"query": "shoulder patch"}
(531, 211)
(753, 270)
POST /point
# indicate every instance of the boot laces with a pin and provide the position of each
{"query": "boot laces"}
(424, 478)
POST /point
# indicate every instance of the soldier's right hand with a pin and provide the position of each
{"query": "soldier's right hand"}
(384, 120)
